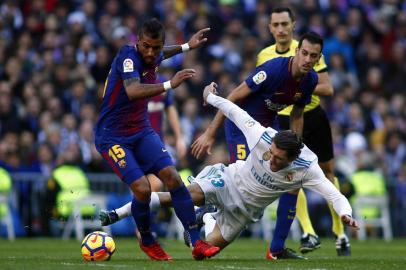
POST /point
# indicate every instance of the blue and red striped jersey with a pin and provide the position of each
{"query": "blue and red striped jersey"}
(273, 88)
(120, 116)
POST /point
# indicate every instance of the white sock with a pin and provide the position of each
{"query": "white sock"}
(154, 204)
(124, 211)
(209, 224)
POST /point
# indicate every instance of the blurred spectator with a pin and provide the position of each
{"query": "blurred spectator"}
(9, 117)
(190, 120)
(339, 42)
(339, 74)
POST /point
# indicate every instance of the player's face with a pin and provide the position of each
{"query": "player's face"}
(149, 49)
(278, 159)
(308, 55)
(281, 26)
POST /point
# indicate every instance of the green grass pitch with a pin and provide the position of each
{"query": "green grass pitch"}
(43, 253)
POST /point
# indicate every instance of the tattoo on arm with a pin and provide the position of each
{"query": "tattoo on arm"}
(170, 51)
(129, 81)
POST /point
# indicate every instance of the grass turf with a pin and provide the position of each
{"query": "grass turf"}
(43, 253)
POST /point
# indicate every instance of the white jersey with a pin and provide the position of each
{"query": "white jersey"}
(258, 184)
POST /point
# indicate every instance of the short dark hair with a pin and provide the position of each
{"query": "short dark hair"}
(289, 141)
(283, 9)
(313, 38)
(152, 28)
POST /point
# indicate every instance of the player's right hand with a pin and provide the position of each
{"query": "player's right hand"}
(211, 88)
(181, 76)
(202, 145)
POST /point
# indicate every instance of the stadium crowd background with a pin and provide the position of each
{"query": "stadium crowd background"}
(55, 55)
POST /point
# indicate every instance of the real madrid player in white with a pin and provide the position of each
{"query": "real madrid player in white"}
(278, 162)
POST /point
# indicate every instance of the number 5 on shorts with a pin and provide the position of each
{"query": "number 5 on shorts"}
(241, 152)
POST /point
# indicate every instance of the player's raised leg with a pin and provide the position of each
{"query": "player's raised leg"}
(108, 217)
(183, 205)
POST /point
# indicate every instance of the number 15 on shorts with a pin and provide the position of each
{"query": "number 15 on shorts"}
(116, 152)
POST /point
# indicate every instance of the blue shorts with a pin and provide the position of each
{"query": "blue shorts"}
(134, 156)
(237, 144)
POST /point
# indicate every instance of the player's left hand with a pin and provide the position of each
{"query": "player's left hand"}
(350, 221)
(211, 88)
(180, 148)
(198, 38)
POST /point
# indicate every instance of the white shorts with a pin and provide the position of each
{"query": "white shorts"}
(231, 217)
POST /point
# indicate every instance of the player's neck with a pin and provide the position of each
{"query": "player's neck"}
(282, 48)
(294, 69)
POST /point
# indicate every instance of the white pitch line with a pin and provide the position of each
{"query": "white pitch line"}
(97, 264)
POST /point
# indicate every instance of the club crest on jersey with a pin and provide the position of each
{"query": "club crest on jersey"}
(297, 96)
(266, 156)
(249, 123)
(122, 164)
(289, 176)
(128, 65)
(259, 77)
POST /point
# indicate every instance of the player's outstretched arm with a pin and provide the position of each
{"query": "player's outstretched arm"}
(194, 42)
(316, 181)
(349, 221)
(251, 129)
(203, 144)
(135, 89)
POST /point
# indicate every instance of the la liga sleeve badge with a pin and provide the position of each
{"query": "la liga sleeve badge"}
(128, 65)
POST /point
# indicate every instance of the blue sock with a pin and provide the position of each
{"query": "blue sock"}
(141, 215)
(183, 205)
(285, 215)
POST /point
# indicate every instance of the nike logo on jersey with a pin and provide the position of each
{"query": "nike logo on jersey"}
(144, 73)
(164, 150)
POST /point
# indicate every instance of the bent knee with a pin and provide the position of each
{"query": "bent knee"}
(170, 177)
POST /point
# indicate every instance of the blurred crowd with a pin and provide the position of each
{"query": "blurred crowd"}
(55, 55)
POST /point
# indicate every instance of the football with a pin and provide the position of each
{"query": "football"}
(98, 246)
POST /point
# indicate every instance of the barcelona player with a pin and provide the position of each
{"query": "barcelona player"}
(126, 140)
(273, 86)
(157, 106)
(316, 129)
